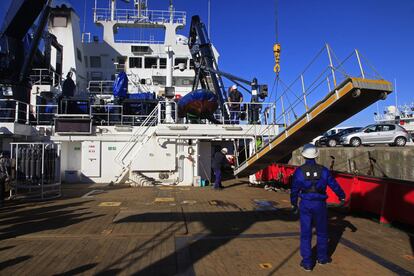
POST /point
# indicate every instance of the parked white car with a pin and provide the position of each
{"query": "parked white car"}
(391, 134)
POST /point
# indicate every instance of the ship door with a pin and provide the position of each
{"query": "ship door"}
(91, 159)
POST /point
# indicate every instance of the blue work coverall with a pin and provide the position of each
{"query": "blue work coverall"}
(218, 163)
(313, 211)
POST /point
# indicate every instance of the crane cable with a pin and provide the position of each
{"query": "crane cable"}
(276, 53)
(276, 46)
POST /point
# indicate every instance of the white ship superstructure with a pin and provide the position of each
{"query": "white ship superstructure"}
(402, 115)
(143, 141)
(148, 136)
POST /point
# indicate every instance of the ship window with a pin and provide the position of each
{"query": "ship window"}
(95, 62)
(135, 62)
(163, 63)
(140, 49)
(79, 54)
(96, 76)
(159, 80)
(143, 81)
(150, 62)
(181, 81)
(180, 60)
(60, 21)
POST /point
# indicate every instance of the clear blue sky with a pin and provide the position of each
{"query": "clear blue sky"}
(244, 33)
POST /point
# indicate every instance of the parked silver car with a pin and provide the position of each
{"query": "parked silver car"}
(391, 134)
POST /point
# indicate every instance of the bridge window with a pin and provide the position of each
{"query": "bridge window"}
(163, 63)
(140, 49)
(180, 60)
(182, 81)
(135, 62)
(159, 80)
(95, 62)
(96, 76)
(60, 21)
(151, 62)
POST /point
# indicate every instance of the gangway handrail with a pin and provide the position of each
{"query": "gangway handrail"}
(364, 90)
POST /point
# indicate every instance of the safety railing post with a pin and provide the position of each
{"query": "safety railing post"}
(329, 84)
(159, 113)
(331, 64)
(245, 149)
(304, 92)
(43, 172)
(360, 64)
(16, 112)
(27, 113)
(108, 119)
(37, 114)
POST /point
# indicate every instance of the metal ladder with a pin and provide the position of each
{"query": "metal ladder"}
(139, 138)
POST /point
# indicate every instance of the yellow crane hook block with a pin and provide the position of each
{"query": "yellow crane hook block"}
(276, 52)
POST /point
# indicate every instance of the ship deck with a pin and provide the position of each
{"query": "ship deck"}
(240, 230)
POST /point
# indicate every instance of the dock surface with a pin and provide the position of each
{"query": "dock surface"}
(240, 230)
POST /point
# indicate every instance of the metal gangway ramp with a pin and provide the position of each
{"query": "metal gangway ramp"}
(351, 96)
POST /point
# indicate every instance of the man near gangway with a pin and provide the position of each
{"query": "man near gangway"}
(309, 183)
(235, 98)
(219, 162)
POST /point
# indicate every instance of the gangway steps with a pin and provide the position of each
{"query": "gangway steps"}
(350, 97)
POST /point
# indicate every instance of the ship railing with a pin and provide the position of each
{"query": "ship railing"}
(44, 114)
(14, 111)
(167, 112)
(107, 114)
(250, 113)
(131, 16)
(394, 117)
(42, 76)
(139, 41)
(101, 87)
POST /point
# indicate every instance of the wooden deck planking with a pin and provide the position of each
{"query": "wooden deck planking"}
(75, 235)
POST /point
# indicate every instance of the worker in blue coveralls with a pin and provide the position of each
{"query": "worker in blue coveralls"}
(219, 161)
(309, 183)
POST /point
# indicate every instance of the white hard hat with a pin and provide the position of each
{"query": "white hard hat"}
(224, 150)
(234, 87)
(309, 151)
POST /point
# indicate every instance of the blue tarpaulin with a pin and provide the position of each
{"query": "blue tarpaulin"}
(200, 102)
(121, 86)
(142, 96)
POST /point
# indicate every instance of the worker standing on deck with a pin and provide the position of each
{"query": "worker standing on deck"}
(219, 162)
(235, 98)
(68, 87)
(309, 183)
(4, 176)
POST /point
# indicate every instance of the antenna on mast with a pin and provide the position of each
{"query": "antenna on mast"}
(171, 11)
(209, 18)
